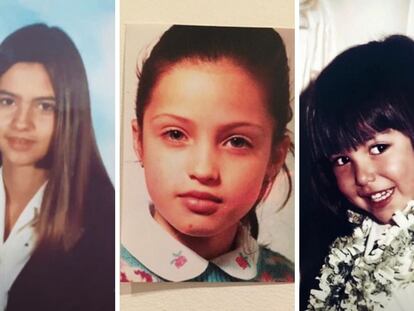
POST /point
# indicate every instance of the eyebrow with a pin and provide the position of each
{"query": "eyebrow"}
(225, 127)
(2, 92)
(51, 98)
(172, 116)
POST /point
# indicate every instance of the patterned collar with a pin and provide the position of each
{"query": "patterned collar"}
(173, 261)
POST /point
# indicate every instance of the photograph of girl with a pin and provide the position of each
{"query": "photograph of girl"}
(210, 133)
(56, 198)
(357, 160)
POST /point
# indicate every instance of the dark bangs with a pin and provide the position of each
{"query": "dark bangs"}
(340, 128)
(365, 90)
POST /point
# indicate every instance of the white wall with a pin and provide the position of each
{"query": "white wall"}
(330, 27)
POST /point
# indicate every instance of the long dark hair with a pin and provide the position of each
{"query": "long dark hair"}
(73, 161)
(260, 51)
(365, 90)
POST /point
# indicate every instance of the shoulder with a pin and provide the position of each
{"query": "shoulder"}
(274, 267)
(64, 281)
(80, 279)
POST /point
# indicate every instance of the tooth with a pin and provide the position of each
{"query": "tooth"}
(380, 196)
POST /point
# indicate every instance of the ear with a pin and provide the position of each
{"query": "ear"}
(137, 137)
(278, 158)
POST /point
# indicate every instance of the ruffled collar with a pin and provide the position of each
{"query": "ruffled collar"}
(162, 254)
(362, 270)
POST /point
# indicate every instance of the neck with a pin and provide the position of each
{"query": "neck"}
(21, 184)
(208, 247)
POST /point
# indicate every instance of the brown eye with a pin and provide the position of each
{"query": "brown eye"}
(238, 142)
(6, 101)
(340, 161)
(379, 148)
(47, 106)
(175, 135)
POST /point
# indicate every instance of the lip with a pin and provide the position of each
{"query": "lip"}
(20, 143)
(380, 199)
(202, 203)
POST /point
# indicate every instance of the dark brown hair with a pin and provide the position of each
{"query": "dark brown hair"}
(260, 51)
(73, 162)
(365, 90)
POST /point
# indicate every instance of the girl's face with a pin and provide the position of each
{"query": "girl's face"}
(206, 146)
(27, 114)
(378, 176)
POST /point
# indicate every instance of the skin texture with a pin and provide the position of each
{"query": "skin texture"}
(27, 114)
(206, 145)
(383, 168)
(27, 120)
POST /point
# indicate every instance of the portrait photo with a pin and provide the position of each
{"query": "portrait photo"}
(57, 155)
(356, 155)
(207, 149)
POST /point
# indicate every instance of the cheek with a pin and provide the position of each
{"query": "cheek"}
(161, 173)
(345, 182)
(5, 120)
(244, 184)
(398, 170)
(158, 185)
(47, 127)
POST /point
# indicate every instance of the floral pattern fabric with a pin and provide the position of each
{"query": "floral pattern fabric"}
(365, 271)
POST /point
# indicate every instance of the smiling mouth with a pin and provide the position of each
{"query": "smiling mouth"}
(19, 143)
(381, 196)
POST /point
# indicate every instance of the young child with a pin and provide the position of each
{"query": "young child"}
(359, 121)
(212, 108)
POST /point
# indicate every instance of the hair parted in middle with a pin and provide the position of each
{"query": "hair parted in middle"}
(75, 168)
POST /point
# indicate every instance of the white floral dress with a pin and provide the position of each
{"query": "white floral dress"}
(372, 269)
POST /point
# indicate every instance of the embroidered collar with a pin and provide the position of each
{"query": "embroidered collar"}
(173, 261)
(27, 217)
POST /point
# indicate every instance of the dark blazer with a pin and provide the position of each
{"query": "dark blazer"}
(84, 278)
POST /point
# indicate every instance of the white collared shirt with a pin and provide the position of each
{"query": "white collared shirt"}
(17, 249)
(169, 259)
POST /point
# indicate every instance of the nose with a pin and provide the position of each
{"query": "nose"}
(204, 164)
(364, 172)
(22, 118)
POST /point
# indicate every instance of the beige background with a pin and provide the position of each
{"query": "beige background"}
(325, 30)
(206, 296)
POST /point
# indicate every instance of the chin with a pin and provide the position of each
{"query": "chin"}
(198, 231)
(385, 218)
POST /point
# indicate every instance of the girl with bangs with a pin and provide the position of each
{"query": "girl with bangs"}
(56, 199)
(359, 125)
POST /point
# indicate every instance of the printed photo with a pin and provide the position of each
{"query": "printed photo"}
(207, 154)
(57, 206)
(357, 156)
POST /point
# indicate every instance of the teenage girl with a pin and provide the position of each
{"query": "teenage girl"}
(56, 199)
(359, 122)
(211, 112)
